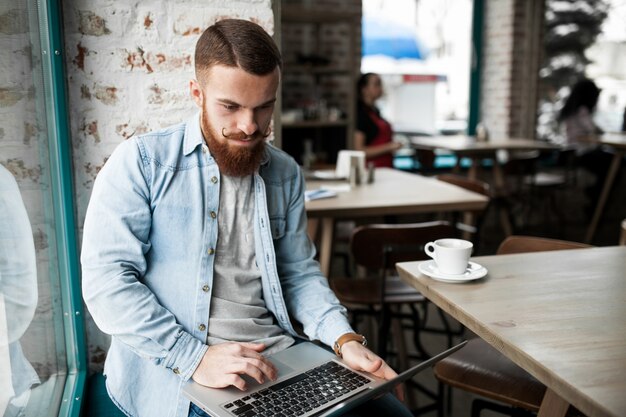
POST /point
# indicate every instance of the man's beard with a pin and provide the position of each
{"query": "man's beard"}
(234, 161)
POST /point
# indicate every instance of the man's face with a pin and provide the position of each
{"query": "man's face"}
(236, 111)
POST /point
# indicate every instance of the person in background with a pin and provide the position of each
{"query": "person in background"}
(195, 251)
(373, 134)
(581, 133)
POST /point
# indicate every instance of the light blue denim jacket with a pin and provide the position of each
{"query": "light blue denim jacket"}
(147, 262)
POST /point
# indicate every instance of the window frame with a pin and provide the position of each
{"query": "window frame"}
(60, 154)
(478, 11)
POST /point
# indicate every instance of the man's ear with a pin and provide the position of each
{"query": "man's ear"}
(196, 92)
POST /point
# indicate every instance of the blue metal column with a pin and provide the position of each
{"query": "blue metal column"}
(63, 204)
(475, 65)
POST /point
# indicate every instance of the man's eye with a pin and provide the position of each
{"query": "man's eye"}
(230, 107)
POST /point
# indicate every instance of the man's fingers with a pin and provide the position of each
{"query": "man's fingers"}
(236, 381)
(260, 361)
(259, 347)
(223, 364)
(253, 371)
(265, 366)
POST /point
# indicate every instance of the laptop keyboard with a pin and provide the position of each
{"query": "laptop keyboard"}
(300, 394)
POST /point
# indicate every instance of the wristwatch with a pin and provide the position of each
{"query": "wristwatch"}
(347, 338)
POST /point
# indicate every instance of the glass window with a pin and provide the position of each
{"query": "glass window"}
(422, 49)
(33, 360)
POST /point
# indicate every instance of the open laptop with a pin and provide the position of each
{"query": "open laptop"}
(311, 381)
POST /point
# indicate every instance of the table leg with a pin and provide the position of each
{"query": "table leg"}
(326, 244)
(608, 184)
(313, 226)
(498, 180)
(472, 172)
(456, 169)
(552, 405)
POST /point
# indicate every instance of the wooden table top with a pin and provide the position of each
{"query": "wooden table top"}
(394, 192)
(560, 315)
(469, 144)
(614, 139)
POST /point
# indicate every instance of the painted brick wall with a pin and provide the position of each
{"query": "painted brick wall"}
(495, 106)
(129, 65)
(511, 56)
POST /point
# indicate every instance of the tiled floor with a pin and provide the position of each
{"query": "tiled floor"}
(567, 219)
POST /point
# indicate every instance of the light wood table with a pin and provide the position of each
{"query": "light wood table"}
(468, 146)
(617, 141)
(392, 193)
(559, 315)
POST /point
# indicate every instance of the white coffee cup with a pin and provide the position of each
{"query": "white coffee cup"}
(450, 255)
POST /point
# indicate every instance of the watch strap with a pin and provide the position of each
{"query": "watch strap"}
(348, 337)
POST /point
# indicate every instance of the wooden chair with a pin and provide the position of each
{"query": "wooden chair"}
(482, 370)
(376, 249)
(546, 186)
(472, 220)
(525, 244)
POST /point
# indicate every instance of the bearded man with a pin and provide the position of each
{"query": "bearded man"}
(195, 252)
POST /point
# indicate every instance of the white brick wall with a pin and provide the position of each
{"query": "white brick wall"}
(129, 66)
(511, 56)
(496, 71)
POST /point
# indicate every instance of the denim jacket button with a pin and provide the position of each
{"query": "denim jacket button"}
(202, 327)
(214, 180)
(213, 214)
(210, 251)
(176, 371)
(205, 288)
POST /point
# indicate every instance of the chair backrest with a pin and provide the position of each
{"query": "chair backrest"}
(474, 185)
(379, 246)
(474, 218)
(523, 244)
(622, 236)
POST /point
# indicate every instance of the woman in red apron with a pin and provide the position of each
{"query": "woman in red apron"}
(373, 134)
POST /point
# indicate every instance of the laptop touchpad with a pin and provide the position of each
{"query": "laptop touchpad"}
(283, 369)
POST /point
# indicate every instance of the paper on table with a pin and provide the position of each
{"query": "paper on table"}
(338, 188)
(318, 194)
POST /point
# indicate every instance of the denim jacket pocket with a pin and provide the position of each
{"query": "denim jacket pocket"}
(277, 225)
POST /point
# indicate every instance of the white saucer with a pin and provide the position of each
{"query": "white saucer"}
(473, 271)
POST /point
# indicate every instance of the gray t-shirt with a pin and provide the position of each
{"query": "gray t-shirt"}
(238, 312)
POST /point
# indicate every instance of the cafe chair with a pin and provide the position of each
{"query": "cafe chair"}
(471, 221)
(481, 369)
(379, 292)
(547, 185)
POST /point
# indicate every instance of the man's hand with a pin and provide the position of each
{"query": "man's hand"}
(222, 364)
(360, 358)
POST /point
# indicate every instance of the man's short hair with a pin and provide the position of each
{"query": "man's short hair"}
(237, 43)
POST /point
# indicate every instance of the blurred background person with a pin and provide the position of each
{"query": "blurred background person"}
(373, 134)
(581, 133)
(18, 297)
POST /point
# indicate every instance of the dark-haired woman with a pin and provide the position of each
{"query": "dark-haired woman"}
(373, 134)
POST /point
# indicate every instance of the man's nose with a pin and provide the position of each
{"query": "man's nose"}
(247, 124)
